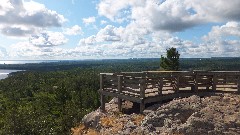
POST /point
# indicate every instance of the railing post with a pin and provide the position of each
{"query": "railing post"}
(238, 85)
(196, 83)
(214, 82)
(142, 93)
(177, 84)
(160, 86)
(102, 97)
(142, 88)
(120, 81)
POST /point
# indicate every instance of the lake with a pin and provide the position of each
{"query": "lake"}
(4, 73)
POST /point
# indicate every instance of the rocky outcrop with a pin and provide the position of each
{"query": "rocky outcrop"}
(194, 115)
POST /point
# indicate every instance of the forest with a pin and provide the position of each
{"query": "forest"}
(51, 98)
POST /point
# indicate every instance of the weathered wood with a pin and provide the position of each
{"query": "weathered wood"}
(122, 96)
(111, 86)
(238, 85)
(228, 87)
(160, 84)
(214, 83)
(142, 106)
(144, 87)
(102, 98)
(101, 81)
(120, 81)
(177, 84)
(131, 80)
(130, 94)
(196, 84)
(129, 89)
(132, 86)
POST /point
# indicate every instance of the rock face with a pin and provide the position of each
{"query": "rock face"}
(188, 116)
(195, 115)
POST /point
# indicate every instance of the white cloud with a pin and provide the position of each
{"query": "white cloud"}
(3, 52)
(103, 22)
(107, 34)
(223, 40)
(117, 10)
(215, 10)
(147, 30)
(170, 15)
(152, 23)
(48, 39)
(75, 30)
(23, 18)
(229, 29)
(127, 45)
(18, 30)
(26, 50)
(89, 20)
(5, 6)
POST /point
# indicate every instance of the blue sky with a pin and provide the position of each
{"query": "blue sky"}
(101, 29)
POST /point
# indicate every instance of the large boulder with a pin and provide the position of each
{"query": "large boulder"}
(92, 119)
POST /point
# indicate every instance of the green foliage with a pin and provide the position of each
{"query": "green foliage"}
(51, 98)
(47, 102)
(171, 61)
(52, 102)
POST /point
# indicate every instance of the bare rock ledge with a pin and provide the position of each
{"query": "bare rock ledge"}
(215, 115)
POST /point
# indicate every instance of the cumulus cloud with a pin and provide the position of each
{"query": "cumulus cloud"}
(75, 30)
(3, 52)
(227, 30)
(89, 20)
(26, 50)
(22, 18)
(110, 34)
(224, 40)
(147, 30)
(105, 45)
(117, 10)
(215, 10)
(170, 15)
(122, 42)
(103, 22)
(48, 39)
(17, 31)
(5, 6)
(107, 34)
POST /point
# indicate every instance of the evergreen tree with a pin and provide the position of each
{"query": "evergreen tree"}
(171, 62)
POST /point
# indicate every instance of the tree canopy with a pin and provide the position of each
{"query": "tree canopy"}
(171, 61)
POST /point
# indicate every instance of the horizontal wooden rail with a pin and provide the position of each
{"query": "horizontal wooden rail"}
(148, 86)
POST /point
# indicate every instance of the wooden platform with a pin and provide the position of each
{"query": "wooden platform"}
(155, 86)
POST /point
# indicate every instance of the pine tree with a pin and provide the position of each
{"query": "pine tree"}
(171, 62)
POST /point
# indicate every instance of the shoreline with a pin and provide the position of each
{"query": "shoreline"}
(4, 73)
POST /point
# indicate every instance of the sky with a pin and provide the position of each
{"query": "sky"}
(118, 29)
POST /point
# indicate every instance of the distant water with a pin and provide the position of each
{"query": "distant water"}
(4, 73)
(25, 61)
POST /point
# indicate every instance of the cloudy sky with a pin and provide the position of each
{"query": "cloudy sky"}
(100, 29)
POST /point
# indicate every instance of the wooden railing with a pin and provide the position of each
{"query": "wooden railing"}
(153, 86)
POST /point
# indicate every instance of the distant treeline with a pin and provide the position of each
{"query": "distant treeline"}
(140, 64)
(50, 98)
